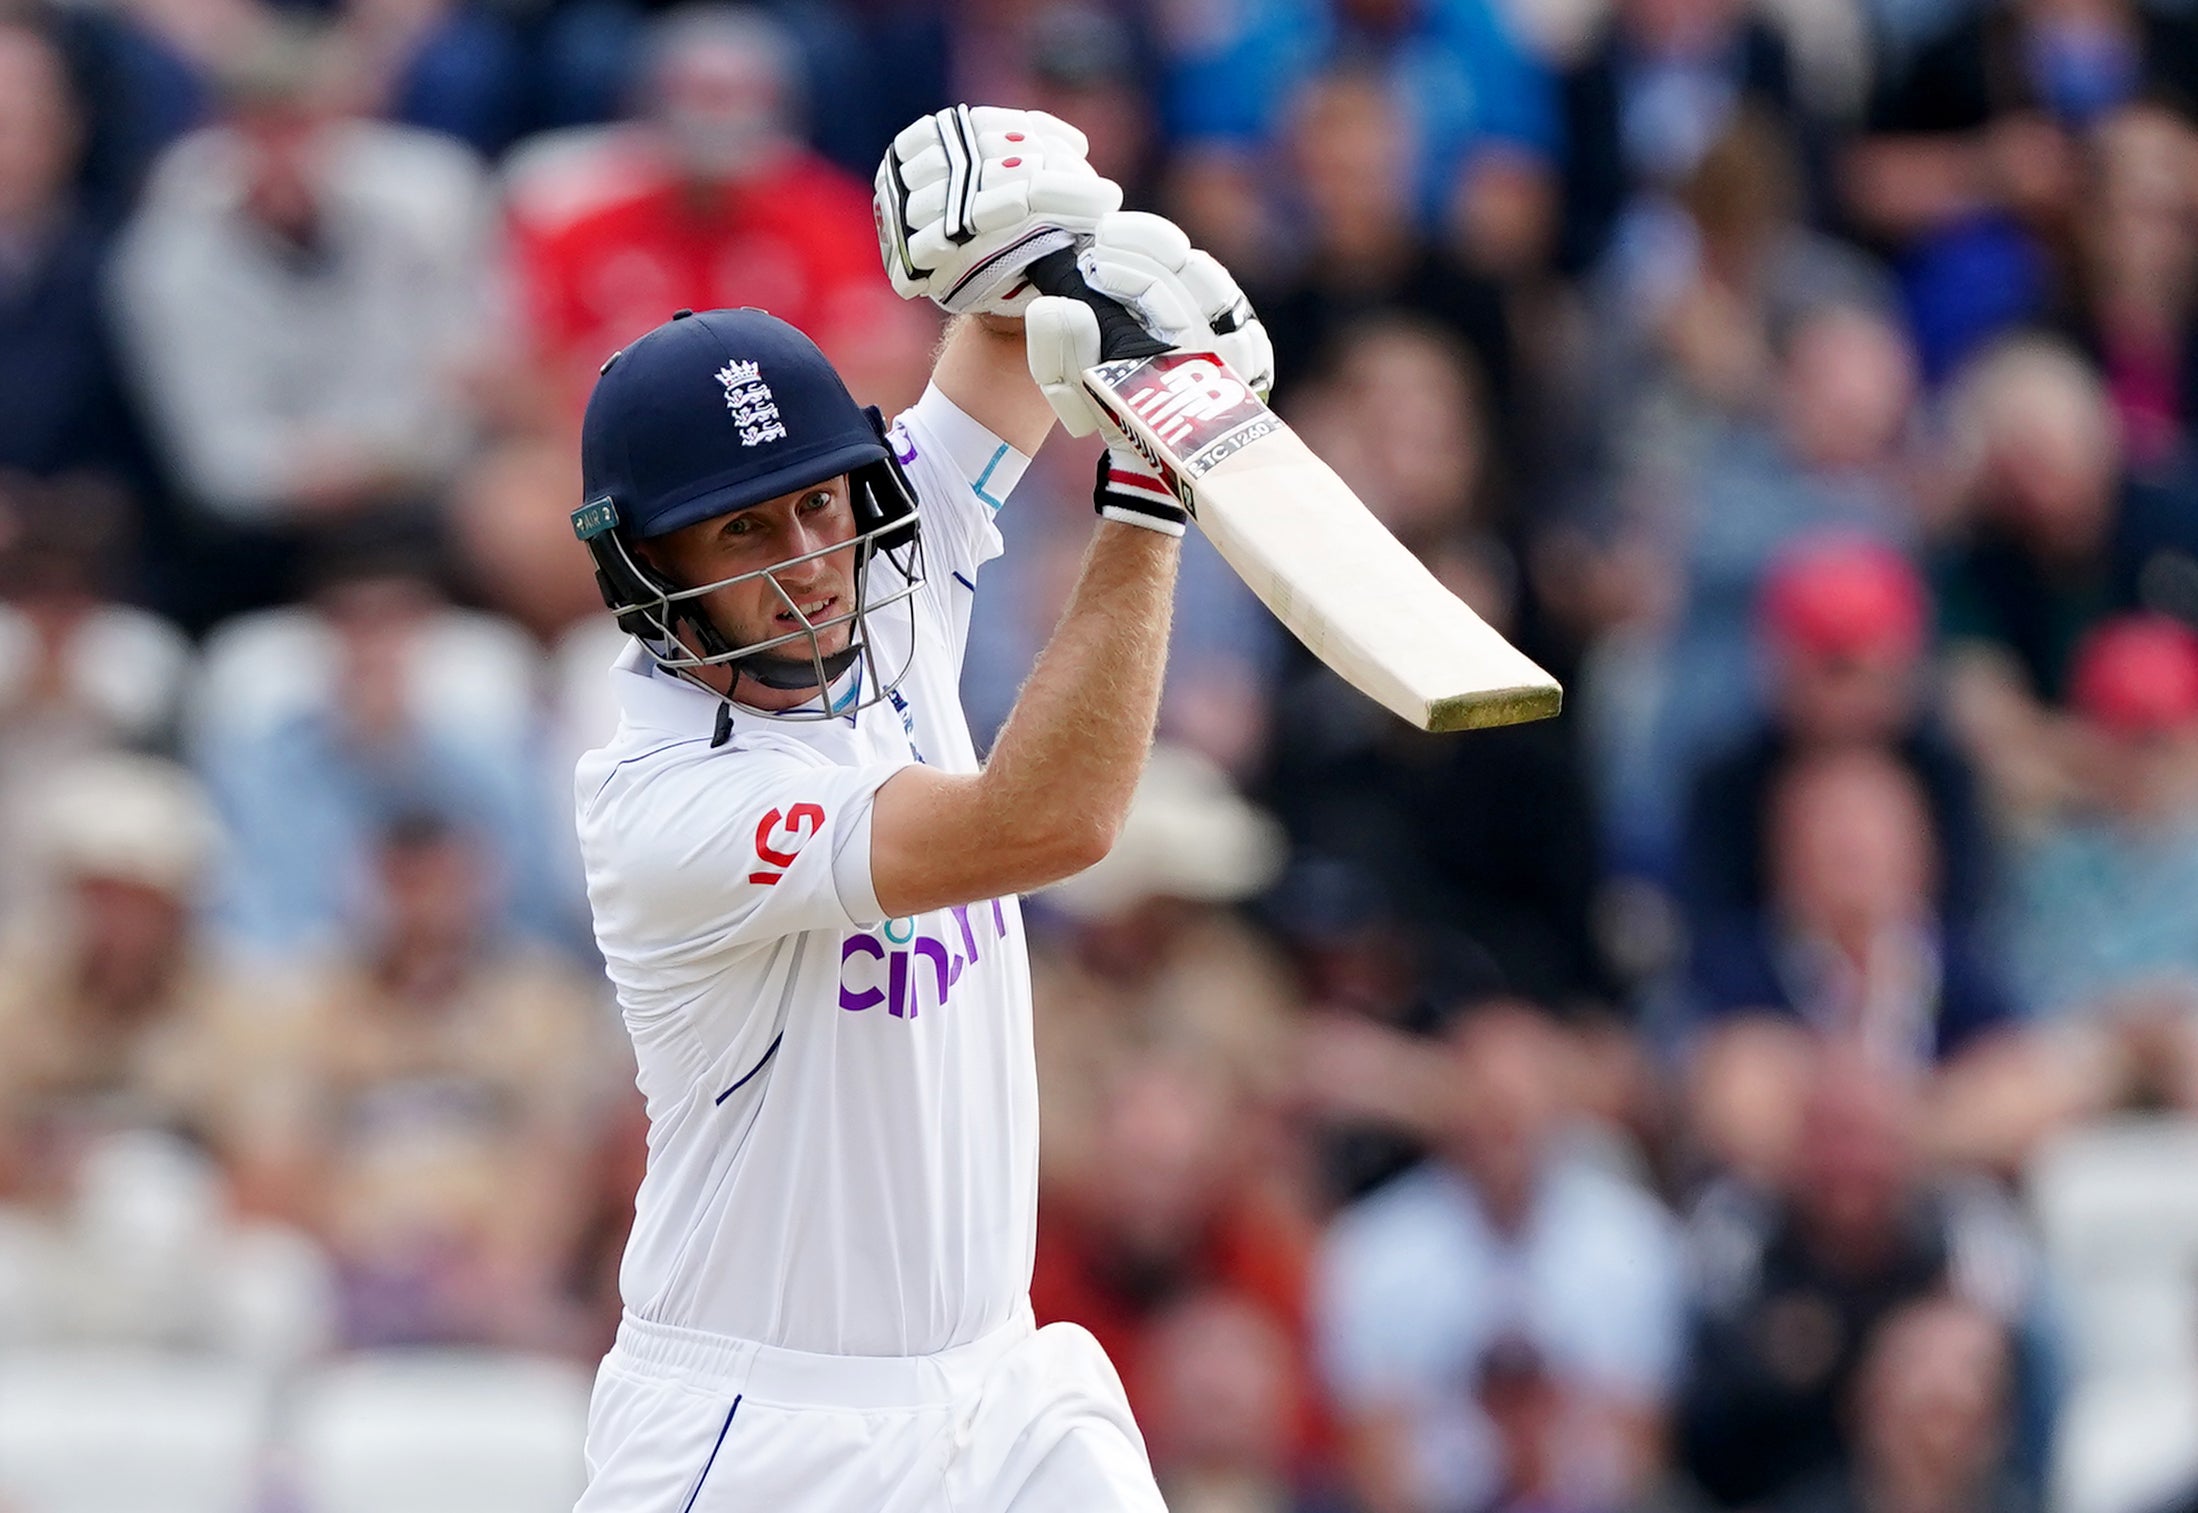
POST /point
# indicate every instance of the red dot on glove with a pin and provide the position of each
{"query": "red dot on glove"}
(1014, 136)
(1011, 162)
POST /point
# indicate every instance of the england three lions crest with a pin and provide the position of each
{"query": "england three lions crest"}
(748, 397)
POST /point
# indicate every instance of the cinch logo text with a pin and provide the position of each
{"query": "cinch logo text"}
(895, 965)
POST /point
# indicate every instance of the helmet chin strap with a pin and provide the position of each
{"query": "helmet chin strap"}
(791, 674)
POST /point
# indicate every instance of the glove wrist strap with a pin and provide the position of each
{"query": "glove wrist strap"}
(1128, 492)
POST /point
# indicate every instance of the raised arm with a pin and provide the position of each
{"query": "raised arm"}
(965, 199)
(982, 368)
(1054, 793)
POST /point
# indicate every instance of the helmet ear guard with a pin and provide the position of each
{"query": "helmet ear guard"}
(882, 494)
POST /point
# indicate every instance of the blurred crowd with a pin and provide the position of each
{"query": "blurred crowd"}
(1677, 1105)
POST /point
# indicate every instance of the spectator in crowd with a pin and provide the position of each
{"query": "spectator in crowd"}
(1931, 1417)
(1179, 1185)
(1166, 1020)
(1692, 309)
(1832, 455)
(114, 1011)
(59, 387)
(1850, 939)
(2103, 918)
(455, 1079)
(1526, 1407)
(1362, 251)
(1151, 953)
(2055, 538)
(509, 517)
(297, 293)
(1664, 82)
(145, 1249)
(1482, 137)
(1973, 162)
(319, 727)
(451, 66)
(1792, 1282)
(1512, 1233)
(78, 671)
(1488, 838)
(1220, 1387)
(2137, 298)
(1844, 623)
(709, 199)
(1090, 64)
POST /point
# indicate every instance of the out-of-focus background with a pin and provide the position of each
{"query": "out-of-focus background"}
(1769, 1086)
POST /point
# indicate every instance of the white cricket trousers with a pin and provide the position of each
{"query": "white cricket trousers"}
(1023, 1420)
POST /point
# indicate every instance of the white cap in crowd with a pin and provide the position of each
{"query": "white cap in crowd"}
(1189, 835)
(132, 818)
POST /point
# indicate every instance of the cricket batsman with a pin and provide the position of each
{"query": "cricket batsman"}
(804, 883)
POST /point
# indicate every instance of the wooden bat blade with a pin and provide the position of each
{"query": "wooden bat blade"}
(1314, 554)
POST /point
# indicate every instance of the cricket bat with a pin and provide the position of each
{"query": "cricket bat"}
(1297, 535)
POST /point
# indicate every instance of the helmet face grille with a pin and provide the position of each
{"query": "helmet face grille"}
(889, 569)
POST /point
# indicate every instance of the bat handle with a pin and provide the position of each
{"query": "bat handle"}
(1120, 333)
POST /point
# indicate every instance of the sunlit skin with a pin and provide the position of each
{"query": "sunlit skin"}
(750, 612)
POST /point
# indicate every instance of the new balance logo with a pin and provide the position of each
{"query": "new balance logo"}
(1189, 393)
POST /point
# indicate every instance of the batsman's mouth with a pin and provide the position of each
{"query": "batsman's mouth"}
(816, 611)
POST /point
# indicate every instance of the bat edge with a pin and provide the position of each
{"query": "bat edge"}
(1490, 708)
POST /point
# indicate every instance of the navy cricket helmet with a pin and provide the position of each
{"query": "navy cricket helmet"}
(716, 412)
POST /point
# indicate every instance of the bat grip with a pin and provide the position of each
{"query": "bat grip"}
(1120, 333)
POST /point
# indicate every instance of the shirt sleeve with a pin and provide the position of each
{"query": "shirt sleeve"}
(726, 850)
(962, 475)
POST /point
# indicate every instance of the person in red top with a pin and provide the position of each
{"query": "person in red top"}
(710, 200)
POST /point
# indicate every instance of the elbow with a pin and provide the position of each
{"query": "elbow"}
(1069, 846)
(1087, 844)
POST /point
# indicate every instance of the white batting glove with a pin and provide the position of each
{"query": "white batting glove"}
(1184, 298)
(1061, 339)
(968, 197)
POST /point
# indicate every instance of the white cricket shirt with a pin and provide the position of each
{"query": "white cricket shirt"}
(843, 1108)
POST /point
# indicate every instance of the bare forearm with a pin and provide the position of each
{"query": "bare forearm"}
(1077, 738)
(1051, 799)
(982, 368)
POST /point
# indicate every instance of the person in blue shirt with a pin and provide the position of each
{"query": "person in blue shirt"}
(1471, 95)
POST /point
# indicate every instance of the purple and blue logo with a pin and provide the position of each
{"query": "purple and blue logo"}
(899, 967)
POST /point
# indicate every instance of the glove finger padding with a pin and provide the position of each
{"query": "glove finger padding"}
(930, 169)
(1070, 177)
(1051, 200)
(1240, 338)
(967, 197)
(1183, 295)
(987, 122)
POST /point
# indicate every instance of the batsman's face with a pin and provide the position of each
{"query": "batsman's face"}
(790, 578)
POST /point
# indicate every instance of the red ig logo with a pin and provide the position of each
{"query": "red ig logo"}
(780, 837)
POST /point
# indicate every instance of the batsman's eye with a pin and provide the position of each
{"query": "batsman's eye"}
(821, 499)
